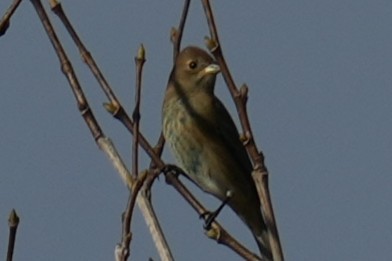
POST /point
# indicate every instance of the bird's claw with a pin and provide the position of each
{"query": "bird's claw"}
(173, 169)
(208, 217)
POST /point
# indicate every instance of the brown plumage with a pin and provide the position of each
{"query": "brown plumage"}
(206, 142)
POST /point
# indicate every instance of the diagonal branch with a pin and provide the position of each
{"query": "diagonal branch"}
(5, 20)
(260, 173)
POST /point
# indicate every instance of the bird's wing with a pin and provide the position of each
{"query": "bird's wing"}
(228, 132)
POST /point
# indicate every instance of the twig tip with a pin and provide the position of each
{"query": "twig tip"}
(244, 90)
(173, 34)
(13, 219)
(141, 53)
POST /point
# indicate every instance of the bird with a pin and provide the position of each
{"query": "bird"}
(205, 141)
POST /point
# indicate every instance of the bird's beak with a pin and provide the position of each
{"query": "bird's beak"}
(211, 69)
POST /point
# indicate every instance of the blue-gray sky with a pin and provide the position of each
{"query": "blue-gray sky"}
(320, 79)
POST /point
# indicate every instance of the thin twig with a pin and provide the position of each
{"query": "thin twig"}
(67, 69)
(84, 53)
(176, 38)
(176, 33)
(143, 202)
(122, 250)
(260, 173)
(114, 106)
(133, 193)
(139, 62)
(13, 222)
(5, 20)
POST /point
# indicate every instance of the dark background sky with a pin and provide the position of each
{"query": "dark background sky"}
(320, 81)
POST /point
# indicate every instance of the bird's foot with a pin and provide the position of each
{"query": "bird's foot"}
(173, 169)
(210, 217)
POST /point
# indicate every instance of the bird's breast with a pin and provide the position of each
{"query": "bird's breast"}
(186, 135)
(182, 136)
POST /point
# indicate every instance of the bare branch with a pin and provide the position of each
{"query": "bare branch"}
(103, 143)
(68, 71)
(5, 20)
(122, 250)
(260, 173)
(143, 202)
(139, 61)
(13, 222)
(85, 54)
(176, 33)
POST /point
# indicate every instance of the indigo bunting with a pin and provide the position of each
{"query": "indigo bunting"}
(205, 141)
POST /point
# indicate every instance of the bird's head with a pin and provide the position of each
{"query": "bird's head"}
(195, 70)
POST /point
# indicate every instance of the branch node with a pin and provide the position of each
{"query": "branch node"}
(211, 44)
(244, 90)
(213, 233)
(246, 138)
(53, 4)
(173, 34)
(136, 116)
(111, 107)
(86, 56)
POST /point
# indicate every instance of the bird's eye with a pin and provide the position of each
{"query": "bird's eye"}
(192, 64)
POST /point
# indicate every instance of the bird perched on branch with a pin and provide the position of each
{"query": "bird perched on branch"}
(205, 141)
